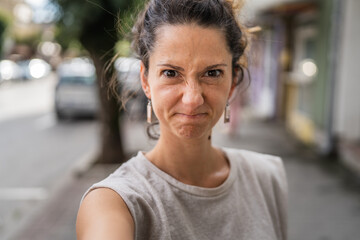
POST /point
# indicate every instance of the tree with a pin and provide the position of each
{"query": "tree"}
(4, 22)
(93, 24)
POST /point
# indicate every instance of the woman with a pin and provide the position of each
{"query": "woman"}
(185, 188)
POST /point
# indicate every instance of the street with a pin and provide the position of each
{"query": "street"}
(294, 65)
(37, 154)
(36, 151)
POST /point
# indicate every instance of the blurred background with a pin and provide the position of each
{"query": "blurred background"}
(61, 129)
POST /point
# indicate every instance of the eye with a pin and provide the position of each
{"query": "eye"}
(213, 73)
(170, 73)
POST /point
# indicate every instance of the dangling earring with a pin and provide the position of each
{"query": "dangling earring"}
(227, 113)
(149, 111)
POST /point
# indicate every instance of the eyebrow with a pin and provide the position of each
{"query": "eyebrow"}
(171, 66)
(181, 69)
(215, 66)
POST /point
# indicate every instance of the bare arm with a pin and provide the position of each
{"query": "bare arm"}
(103, 214)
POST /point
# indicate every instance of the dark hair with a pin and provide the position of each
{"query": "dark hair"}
(220, 14)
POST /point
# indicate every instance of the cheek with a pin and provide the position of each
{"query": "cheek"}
(218, 95)
(163, 98)
(218, 103)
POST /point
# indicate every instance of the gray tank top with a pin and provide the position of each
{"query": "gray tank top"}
(250, 204)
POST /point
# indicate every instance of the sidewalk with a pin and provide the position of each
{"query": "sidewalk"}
(321, 205)
(56, 220)
(350, 155)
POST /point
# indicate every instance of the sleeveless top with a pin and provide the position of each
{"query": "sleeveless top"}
(250, 204)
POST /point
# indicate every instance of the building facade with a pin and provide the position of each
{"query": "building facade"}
(306, 70)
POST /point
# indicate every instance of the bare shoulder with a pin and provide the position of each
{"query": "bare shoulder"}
(104, 215)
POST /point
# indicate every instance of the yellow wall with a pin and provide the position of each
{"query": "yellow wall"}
(303, 127)
(298, 123)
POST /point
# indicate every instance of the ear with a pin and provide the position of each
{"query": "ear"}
(233, 86)
(233, 83)
(144, 80)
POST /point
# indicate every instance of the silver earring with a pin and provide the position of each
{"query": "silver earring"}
(227, 113)
(149, 111)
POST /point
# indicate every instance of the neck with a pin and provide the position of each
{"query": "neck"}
(191, 161)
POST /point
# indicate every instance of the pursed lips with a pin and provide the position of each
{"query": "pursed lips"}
(192, 116)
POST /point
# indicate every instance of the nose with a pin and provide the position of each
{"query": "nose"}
(193, 95)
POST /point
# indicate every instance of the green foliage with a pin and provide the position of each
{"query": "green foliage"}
(122, 48)
(2, 31)
(97, 24)
(64, 36)
(126, 18)
(31, 40)
(5, 20)
(75, 49)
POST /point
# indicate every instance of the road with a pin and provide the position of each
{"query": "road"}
(323, 204)
(36, 151)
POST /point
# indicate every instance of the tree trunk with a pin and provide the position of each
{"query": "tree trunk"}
(95, 27)
(111, 142)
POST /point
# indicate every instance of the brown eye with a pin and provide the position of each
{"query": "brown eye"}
(213, 73)
(170, 73)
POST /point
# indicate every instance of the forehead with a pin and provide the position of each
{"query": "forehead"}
(190, 43)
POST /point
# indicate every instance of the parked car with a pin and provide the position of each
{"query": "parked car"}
(76, 92)
(128, 75)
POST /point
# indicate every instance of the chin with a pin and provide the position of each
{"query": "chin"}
(193, 132)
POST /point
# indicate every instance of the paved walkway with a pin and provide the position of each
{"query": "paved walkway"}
(324, 204)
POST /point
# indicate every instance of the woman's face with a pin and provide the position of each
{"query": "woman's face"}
(189, 79)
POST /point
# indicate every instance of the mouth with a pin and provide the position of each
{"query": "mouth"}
(192, 116)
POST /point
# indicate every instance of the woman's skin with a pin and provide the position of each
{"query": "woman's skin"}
(189, 81)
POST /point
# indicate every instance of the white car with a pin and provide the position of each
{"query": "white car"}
(76, 92)
(128, 73)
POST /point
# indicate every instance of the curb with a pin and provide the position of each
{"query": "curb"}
(350, 157)
(84, 163)
(81, 166)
